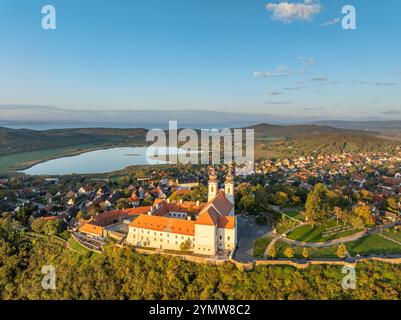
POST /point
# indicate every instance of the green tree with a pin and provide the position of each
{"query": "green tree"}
(319, 204)
(186, 245)
(271, 252)
(247, 203)
(289, 252)
(280, 198)
(122, 203)
(356, 222)
(365, 213)
(49, 227)
(341, 251)
(340, 214)
(305, 253)
(261, 198)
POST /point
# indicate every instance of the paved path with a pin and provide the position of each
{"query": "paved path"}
(329, 243)
(266, 254)
(349, 238)
(393, 240)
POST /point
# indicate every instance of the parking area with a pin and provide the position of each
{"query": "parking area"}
(248, 232)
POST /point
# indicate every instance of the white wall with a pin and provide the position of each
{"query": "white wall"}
(156, 239)
(205, 239)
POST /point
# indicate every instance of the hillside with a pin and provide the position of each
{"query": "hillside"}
(23, 140)
(325, 143)
(268, 131)
(379, 126)
(286, 140)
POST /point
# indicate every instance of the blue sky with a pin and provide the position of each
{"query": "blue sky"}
(232, 56)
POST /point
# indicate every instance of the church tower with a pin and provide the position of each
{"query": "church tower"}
(229, 189)
(213, 186)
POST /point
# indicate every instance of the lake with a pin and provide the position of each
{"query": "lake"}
(101, 161)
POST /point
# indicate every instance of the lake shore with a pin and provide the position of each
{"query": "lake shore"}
(16, 165)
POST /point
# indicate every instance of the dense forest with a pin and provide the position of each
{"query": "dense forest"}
(121, 273)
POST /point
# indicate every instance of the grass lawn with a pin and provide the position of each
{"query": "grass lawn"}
(295, 214)
(393, 234)
(372, 244)
(314, 253)
(307, 233)
(260, 246)
(77, 247)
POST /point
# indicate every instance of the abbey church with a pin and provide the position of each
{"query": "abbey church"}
(203, 228)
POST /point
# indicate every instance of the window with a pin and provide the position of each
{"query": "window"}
(221, 237)
(228, 238)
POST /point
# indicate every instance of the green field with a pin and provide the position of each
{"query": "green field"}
(393, 234)
(307, 233)
(295, 214)
(77, 247)
(260, 246)
(372, 244)
(314, 253)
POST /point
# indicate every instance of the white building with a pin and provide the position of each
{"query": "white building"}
(206, 228)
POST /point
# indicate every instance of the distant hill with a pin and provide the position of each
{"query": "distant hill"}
(266, 130)
(293, 139)
(22, 140)
(380, 126)
(325, 144)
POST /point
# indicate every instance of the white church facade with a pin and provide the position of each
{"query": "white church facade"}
(203, 228)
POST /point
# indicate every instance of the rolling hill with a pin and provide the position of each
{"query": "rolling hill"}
(270, 140)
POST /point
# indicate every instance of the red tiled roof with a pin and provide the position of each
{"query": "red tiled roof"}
(91, 229)
(164, 224)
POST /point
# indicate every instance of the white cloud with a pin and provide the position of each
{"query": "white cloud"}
(307, 61)
(319, 79)
(289, 12)
(281, 71)
(330, 22)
